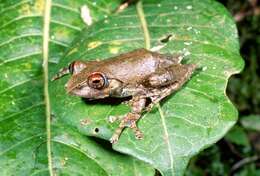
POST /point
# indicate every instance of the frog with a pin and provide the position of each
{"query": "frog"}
(147, 77)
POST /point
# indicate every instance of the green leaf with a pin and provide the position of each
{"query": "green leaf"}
(238, 136)
(251, 122)
(186, 122)
(76, 154)
(28, 34)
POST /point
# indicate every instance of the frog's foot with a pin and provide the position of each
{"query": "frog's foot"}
(149, 107)
(129, 102)
(114, 139)
(137, 131)
(129, 121)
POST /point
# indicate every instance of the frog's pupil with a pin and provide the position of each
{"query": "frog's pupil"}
(96, 81)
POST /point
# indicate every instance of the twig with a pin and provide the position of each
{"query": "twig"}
(233, 149)
(243, 162)
(254, 10)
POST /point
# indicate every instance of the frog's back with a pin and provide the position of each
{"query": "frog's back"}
(131, 66)
(141, 56)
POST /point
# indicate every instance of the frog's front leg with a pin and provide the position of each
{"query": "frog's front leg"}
(131, 118)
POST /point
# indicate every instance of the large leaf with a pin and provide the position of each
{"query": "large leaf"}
(188, 121)
(27, 34)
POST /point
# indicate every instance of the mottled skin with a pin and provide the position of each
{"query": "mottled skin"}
(141, 74)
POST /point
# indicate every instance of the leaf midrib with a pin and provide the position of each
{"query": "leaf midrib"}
(147, 41)
(46, 31)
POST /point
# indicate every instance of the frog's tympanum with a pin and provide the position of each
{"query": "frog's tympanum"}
(140, 74)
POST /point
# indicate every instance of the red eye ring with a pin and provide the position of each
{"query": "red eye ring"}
(97, 80)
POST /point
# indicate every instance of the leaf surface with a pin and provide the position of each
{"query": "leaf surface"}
(28, 34)
(187, 121)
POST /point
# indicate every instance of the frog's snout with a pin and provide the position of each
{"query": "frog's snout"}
(62, 72)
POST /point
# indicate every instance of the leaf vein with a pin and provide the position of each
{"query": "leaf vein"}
(19, 18)
(15, 85)
(24, 110)
(59, 43)
(166, 137)
(20, 37)
(20, 142)
(45, 48)
(14, 6)
(66, 25)
(20, 57)
(66, 7)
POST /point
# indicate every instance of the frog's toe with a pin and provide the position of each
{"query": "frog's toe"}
(137, 131)
(139, 135)
(149, 108)
(114, 139)
(126, 102)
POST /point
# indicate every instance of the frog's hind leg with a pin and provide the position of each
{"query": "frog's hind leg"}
(130, 119)
(159, 95)
(171, 82)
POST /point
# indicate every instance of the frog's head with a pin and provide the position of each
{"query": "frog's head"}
(94, 85)
(74, 67)
(87, 83)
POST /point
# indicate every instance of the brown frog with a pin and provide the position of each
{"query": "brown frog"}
(140, 74)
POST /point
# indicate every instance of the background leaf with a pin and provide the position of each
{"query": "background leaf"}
(251, 122)
(237, 135)
(190, 120)
(22, 118)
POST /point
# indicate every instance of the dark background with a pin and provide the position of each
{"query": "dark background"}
(238, 153)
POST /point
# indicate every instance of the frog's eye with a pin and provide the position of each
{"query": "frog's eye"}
(76, 67)
(71, 67)
(97, 80)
